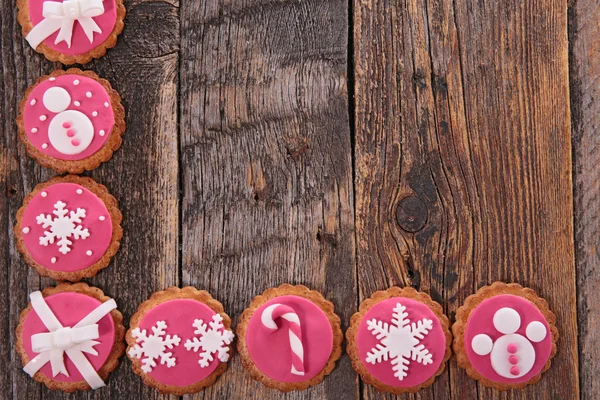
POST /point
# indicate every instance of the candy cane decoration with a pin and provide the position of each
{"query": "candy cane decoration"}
(275, 311)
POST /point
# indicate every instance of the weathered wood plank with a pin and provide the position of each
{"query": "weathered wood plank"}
(142, 175)
(462, 120)
(584, 38)
(266, 157)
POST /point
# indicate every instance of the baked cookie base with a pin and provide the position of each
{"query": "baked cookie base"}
(287, 290)
(115, 214)
(356, 319)
(112, 144)
(462, 316)
(157, 298)
(113, 358)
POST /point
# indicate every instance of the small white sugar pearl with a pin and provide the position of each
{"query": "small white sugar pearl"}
(53, 260)
(95, 114)
(102, 218)
(43, 117)
(26, 230)
(79, 191)
(77, 103)
(34, 130)
(102, 133)
(32, 102)
(45, 146)
(44, 194)
(52, 79)
(106, 104)
(76, 82)
(89, 252)
(88, 95)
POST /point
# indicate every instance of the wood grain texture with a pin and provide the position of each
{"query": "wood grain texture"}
(465, 106)
(584, 40)
(142, 175)
(266, 163)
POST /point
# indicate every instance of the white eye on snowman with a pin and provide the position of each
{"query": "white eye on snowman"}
(56, 99)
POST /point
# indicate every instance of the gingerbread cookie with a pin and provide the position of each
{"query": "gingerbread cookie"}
(505, 336)
(289, 338)
(71, 121)
(179, 340)
(399, 340)
(71, 31)
(68, 228)
(70, 337)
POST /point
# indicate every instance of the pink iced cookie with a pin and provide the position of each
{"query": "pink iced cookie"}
(71, 31)
(67, 228)
(71, 121)
(507, 339)
(179, 340)
(399, 340)
(68, 338)
(289, 341)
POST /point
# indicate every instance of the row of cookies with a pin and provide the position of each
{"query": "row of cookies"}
(71, 337)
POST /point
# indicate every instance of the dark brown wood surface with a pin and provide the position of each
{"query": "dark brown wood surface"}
(347, 146)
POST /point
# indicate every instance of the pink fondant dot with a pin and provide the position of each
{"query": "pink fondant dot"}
(514, 370)
(71, 132)
(514, 360)
(75, 142)
(66, 125)
(512, 348)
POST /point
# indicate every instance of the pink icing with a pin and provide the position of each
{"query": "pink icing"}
(80, 44)
(270, 350)
(434, 341)
(480, 322)
(70, 308)
(100, 230)
(37, 130)
(179, 316)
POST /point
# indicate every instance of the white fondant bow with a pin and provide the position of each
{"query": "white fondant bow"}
(62, 16)
(74, 341)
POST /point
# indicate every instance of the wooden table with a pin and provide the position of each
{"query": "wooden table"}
(347, 146)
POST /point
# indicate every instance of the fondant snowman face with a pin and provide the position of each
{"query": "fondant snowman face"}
(515, 347)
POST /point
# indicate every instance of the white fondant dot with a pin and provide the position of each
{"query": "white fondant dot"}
(536, 331)
(102, 218)
(43, 117)
(79, 191)
(77, 103)
(56, 99)
(45, 146)
(102, 133)
(52, 79)
(76, 82)
(53, 260)
(44, 194)
(88, 95)
(95, 114)
(34, 130)
(507, 320)
(106, 104)
(89, 252)
(32, 102)
(26, 230)
(80, 123)
(482, 344)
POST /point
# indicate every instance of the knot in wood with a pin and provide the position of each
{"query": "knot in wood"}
(411, 214)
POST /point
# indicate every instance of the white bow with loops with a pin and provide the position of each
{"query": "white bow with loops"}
(74, 341)
(62, 16)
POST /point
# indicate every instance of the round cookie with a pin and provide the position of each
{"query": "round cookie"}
(71, 120)
(68, 228)
(399, 340)
(70, 337)
(179, 340)
(71, 31)
(505, 336)
(289, 338)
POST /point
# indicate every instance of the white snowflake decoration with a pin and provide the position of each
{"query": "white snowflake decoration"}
(154, 346)
(62, 227)
(212, 340)
(400, 341)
